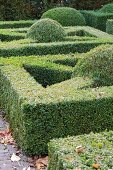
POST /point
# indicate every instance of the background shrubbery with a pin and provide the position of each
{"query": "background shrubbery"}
(20, 9)
(107, 8)
(23, 9)
(65, 16)
(79, 4)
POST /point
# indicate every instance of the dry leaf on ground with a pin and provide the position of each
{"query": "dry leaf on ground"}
(41, 163)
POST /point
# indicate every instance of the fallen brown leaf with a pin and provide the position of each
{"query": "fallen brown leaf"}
(96, 165)
(41, 163)
(80, 149)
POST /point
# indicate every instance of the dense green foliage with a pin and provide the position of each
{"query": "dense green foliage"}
(97, 19)
(77, 33)
(97, 64)
(96, 149)
(53, 48)
(109, 26)
(24, 9)
(67, 106)
(16, 24)
(46, 30)
(107, 8)
(20, 9)
(87, 5)
(47, 73)
(78, 39)
(65, 16)
(50, 113)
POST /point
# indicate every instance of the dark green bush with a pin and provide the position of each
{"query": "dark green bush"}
(109, 26)
(65, 16)
(46, 30)
(108, 8)
(96, 149)
(97, 64)
(97, 19)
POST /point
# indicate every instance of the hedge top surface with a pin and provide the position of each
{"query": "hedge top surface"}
(107, 8)
(97, 64)
(46, 30)
(95, 149)
(34, 93)
(65, 16)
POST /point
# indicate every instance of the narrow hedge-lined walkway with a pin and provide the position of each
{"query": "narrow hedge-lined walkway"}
(6, 152)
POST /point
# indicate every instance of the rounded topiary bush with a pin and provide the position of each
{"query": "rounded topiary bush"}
(46, 30)
(98, 65)
(66, 16)
(107, 8)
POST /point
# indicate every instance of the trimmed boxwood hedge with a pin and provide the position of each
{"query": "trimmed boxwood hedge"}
(66, 16)
(86, 32)
(77, 33)
(109, 26)
(69, 45)
(98, 65)
(96, 149)
(9, 35)
(47, 73)
(38, 115)
(69, 59)
(97, 19)
(108, 8)
(16, 24)
(15, 49)
(46, 30)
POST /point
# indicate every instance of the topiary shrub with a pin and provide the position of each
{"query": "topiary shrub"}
(97, 64)
(46, 30)
(107, 8)
(65, 16)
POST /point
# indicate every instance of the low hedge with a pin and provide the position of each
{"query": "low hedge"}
(9, 35)
(69, 59)
(16, 24)
(47, 73)
(86, 32)
(96, 152)
(38, 115)
(97, 19)
(109, 26)
(16, 49)
(46, 70)
(77, 33)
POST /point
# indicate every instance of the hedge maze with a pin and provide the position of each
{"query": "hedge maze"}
(57, 89)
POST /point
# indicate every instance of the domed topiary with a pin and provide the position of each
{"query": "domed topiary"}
(46, 30)
(66, 16)
(98, 65)
(107, 8)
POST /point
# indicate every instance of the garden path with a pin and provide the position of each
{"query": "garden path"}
(7, 150)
